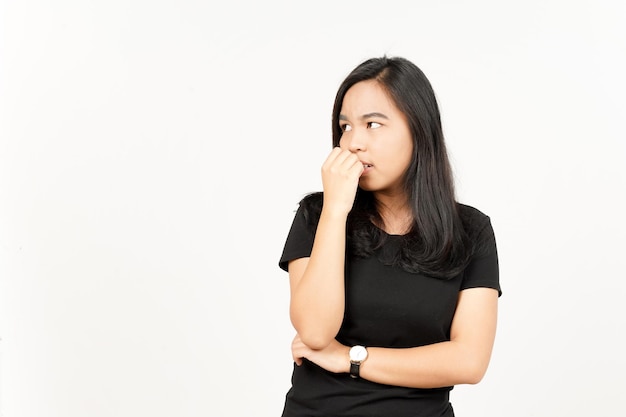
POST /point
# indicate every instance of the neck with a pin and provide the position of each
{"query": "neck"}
(396, 215)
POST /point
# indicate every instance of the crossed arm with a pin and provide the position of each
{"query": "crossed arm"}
(462, 360)
(317, 309)
(318, 300)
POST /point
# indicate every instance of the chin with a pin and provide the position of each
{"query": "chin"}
(366, 187)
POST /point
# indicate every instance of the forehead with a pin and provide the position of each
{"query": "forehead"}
(366, 97)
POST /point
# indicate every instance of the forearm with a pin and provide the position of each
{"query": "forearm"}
(317, 301)
(432, 366)
(462, 360)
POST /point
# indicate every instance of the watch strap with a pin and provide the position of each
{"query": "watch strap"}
(354, 369)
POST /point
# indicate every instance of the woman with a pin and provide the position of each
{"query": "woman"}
(394, 284)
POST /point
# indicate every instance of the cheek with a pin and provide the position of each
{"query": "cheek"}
(403, 158)
(408, 151)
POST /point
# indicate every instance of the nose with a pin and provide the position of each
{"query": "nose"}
(355, 142)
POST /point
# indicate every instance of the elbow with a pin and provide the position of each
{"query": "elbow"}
(475, 373)
(315, 341)
(316, 334)
(314, 337)
(474, 377)
(471, 364)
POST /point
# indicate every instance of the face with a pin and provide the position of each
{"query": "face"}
(378, 133)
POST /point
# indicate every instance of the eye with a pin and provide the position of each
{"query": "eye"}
(345, 127)
(373, 125)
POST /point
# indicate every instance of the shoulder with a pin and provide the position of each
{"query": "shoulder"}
(312, 199)
(477, 226)
(471, 217)
(310, 207)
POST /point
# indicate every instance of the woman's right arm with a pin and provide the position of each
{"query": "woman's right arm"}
(317, 283)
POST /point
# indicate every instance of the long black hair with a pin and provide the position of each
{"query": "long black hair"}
(437, 244)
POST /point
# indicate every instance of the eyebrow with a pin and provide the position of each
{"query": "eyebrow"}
(367, 116)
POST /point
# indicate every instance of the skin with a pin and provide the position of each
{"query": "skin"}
(376, 133)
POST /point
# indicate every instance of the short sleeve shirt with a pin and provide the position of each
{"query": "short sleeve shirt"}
(387, 306)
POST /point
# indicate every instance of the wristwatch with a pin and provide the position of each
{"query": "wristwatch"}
(357, 355)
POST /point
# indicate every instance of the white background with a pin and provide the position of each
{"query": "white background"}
(152, 154)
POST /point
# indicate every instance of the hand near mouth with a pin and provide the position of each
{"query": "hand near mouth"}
(340, 178)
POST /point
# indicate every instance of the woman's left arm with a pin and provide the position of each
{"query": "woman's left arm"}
(462, 360)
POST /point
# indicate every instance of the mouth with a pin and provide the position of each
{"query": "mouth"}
(365, 166)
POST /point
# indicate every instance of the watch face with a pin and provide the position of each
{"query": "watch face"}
(358, 353)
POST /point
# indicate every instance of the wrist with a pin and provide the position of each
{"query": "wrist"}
(345, 359)
(334, 213)
(358, 354)
(341, 359)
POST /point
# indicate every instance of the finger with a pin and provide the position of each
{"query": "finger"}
(296, 355)
(341, 160)
(350, 165)
(296, 344)
(352, 162)
(330, 159)
(346, 158)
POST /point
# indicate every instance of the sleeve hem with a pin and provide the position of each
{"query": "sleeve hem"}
(483, 285)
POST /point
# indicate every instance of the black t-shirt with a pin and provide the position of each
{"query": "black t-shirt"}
(387, 307)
